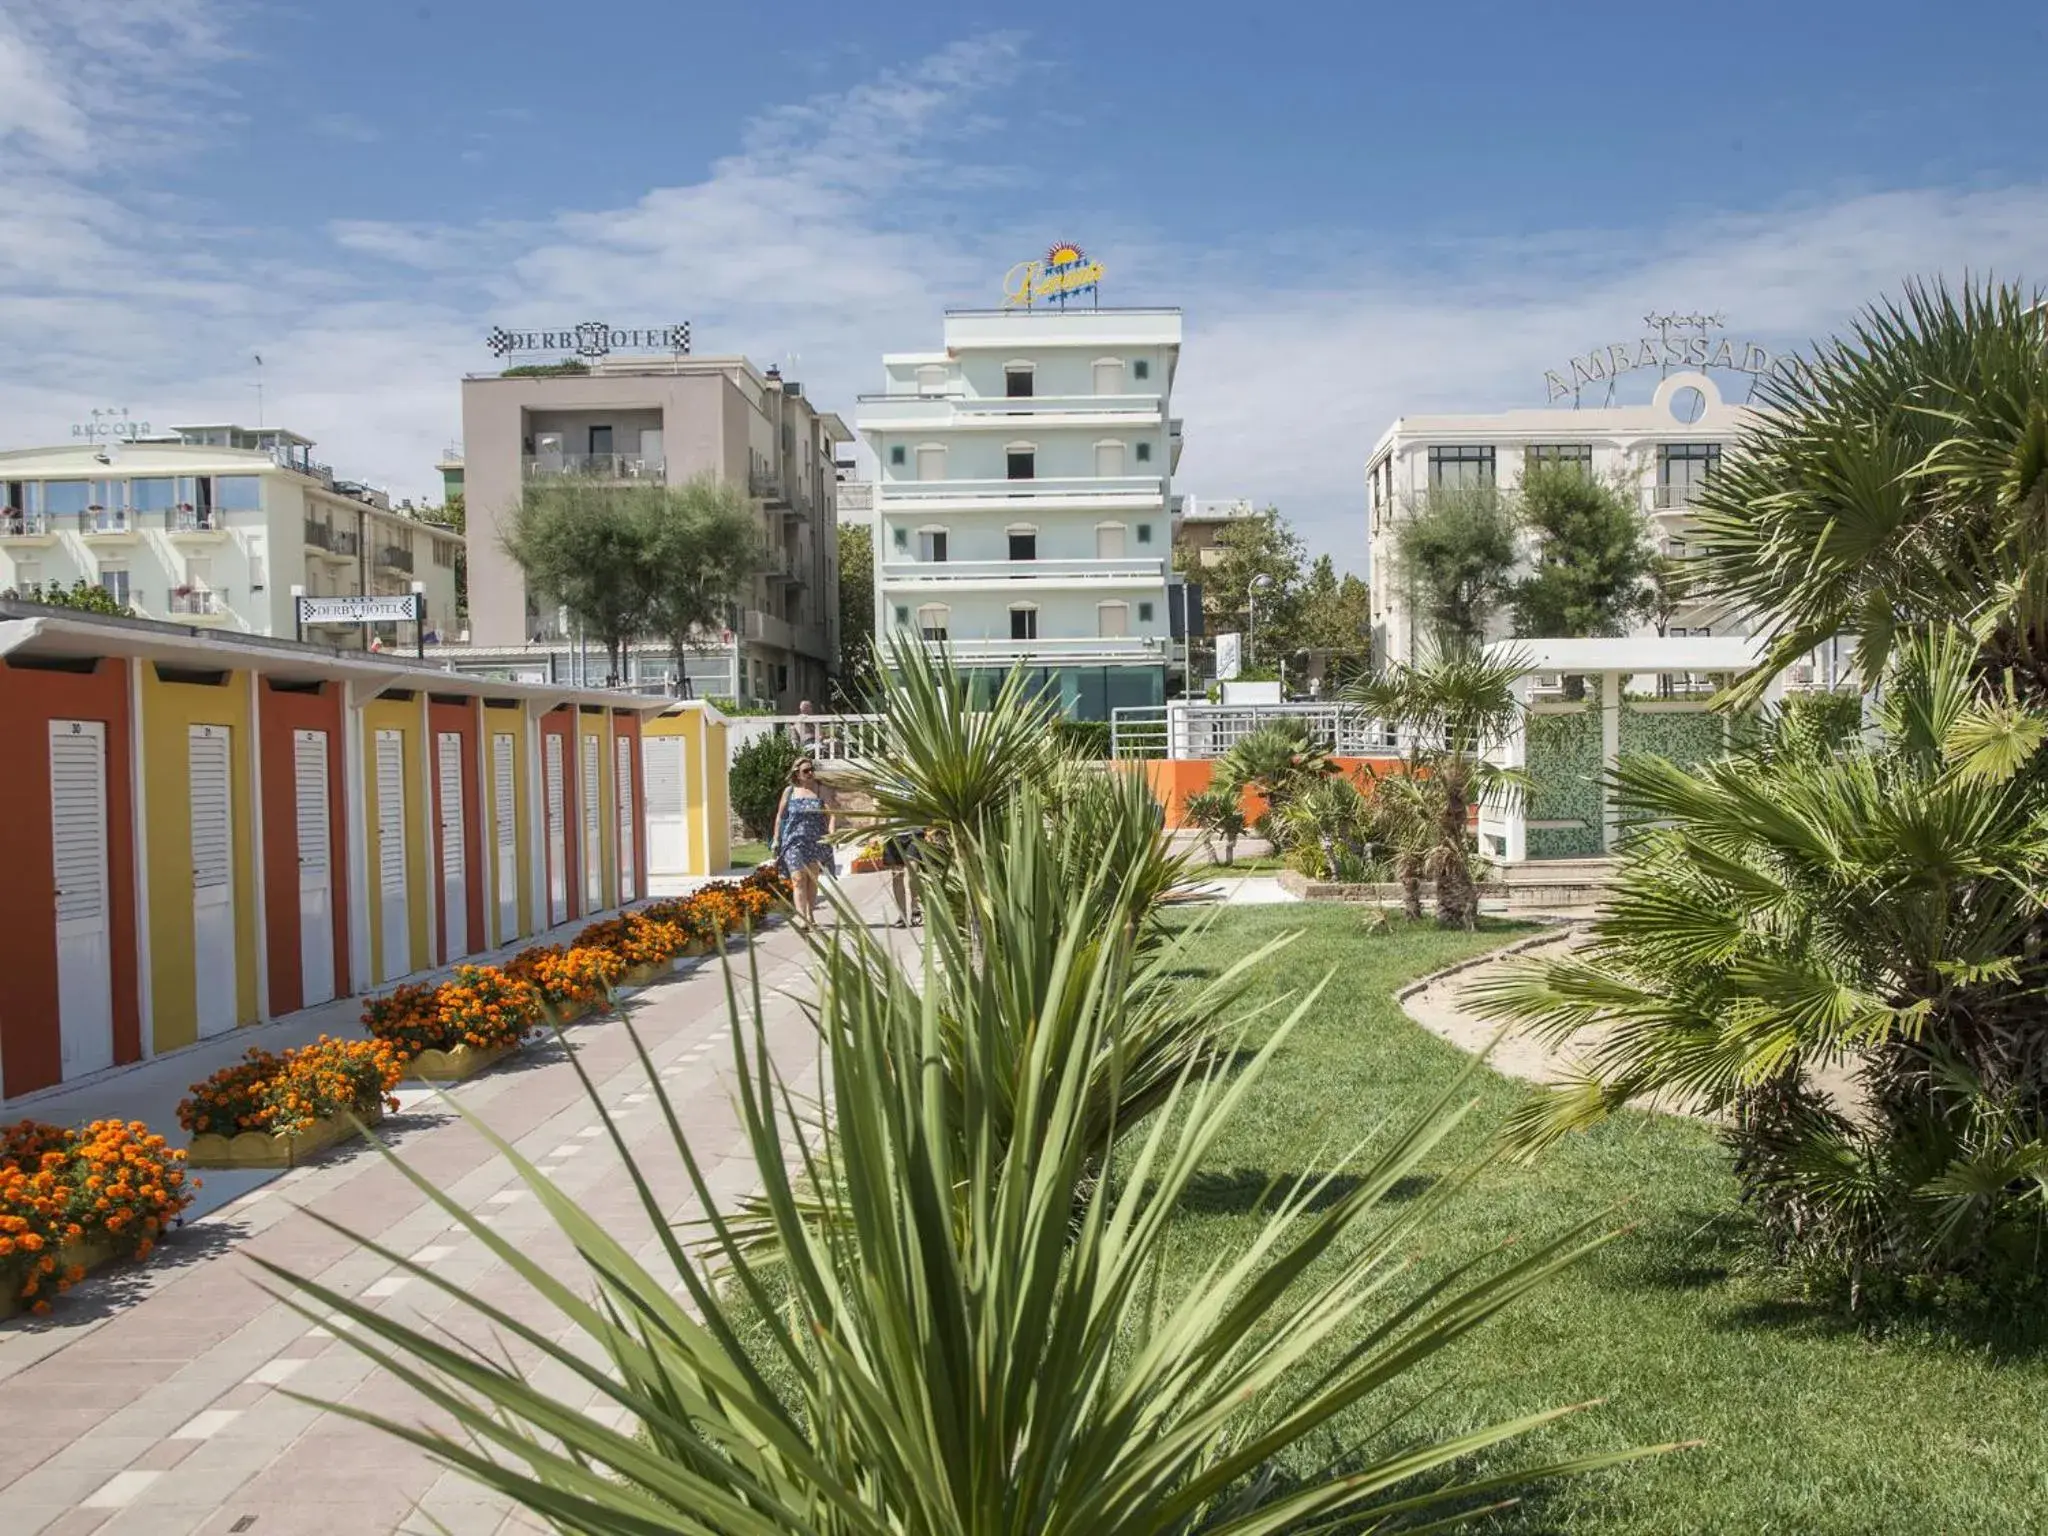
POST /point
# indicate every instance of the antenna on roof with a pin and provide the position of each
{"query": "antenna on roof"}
(259, 389)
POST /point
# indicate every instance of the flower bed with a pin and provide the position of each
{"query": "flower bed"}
(482, 1007)
(639, 939)
(272, 1109)
(71, 1200)
(571, 981)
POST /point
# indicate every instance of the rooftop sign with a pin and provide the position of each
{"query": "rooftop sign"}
(1682, 341)
(1065, 273)
(110, 425)
(593, 338)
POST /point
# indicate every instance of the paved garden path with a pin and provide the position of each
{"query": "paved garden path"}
(149, 1401)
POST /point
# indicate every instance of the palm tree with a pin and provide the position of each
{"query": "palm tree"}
(983, 1346)
(1898, 482)
(1455, 707)
(1817, 904)
(1218, 813)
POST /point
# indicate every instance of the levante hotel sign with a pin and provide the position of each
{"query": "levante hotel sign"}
(1065, 273)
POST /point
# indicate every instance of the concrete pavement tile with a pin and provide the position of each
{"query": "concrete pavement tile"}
(102, 1453)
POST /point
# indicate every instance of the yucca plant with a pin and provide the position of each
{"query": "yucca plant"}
(1218, 813)
(984, 1347)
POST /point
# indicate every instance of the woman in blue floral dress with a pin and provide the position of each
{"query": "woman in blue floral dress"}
(803, 820)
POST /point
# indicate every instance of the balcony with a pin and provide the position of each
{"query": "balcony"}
(319, 535)
(110, 525)
(1670, 498)
(1004, 575)
(604, 468)
(200, 604)
(30, 529)
(1065, 651)
(347, 545)
(391, 558)
(910, 409)
(196, 525)
(1078, 492)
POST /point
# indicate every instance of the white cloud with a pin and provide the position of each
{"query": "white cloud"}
(839, 228)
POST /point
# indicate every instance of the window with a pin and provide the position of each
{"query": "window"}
(1578, 455)
(1683, 470)
(238, 493)
(1109, 376)
(115, 579)
(1464, 464)
(931, 544)
(600, 441)
(152, 495)
(1144, 613)
(1144, 533)
(901, 538)
(259, 572)
(66, 496)
(902, 614)
(931, 378)
(1022, 459)
(931, 621)
(898, 455)
(1023, 543)
(1141, 368)
(931, 461)
(1017, 379)
(1109, 460)
(1112, 620)
(1144, 453)
(28, 574)
(1023, 622)
(1109, 541)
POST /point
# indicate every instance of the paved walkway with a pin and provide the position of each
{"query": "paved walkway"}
(149, 1401)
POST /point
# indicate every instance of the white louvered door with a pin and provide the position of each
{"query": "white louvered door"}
(624, 802)
(454, 846)
(661, 774)
(504, 823)
(394, 917)
(78, 838)
(316, 867)
(207, 756)
(593, 825)
(552, 769)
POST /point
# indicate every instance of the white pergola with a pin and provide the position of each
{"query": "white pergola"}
(1607, 664)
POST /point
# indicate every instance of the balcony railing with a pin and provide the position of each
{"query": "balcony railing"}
(391, 557)
(1123, 571)
(594, 466)
(199, 602)
(109, 520)
(197, 520)
(1089, 487)
(1192, 730)
(1064, 651)
(347, 542)
(24, 525)
(993, 410)
(319, 535)
(1670, 498)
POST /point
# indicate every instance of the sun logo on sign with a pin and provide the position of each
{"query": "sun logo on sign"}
(1064, 253)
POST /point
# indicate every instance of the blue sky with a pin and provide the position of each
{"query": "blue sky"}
(1364, 210)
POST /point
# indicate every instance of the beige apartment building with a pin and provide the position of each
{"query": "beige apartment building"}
(663, 419)
(218, 527)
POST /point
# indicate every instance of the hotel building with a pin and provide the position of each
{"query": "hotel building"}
(215, 527)
(666, 420)
(1021, 501)
(1663, 452)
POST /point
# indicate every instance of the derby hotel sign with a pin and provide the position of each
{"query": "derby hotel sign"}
(1682, 342)
(593, 338)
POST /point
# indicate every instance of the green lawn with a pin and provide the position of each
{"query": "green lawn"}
(1809, 1427)
(747, 855)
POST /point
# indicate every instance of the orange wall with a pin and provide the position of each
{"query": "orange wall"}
(279, 714)
(460, 717)
(30, 1045)
(1173, 780)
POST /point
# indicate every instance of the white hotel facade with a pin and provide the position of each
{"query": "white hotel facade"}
(1022, 496)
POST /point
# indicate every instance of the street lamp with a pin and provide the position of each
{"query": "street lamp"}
(1259, 583)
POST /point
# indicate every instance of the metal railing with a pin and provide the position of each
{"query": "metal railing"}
(1670, 498)
(832, 738)
(1061, 652)
(394, 558)
(1124, 570)
(109, 520)
(347, 542)
(197, 520)
(24, 525)
(593, 466)
(1093, 486)
(1192, 730)
(200, 602)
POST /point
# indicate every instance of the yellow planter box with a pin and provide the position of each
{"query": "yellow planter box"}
(566, 1013)
(88, 1255)
(465, 1061)
(641, 975)
(259, 1149)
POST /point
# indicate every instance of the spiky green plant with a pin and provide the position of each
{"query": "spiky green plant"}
(983, 1347)
(1275, 761)
(1823, 904)
(1217, 813)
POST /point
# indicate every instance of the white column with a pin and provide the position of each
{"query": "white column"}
(359, 832)
(1610, 754)
(256, 835)
(1515, 755)
(138, 800)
